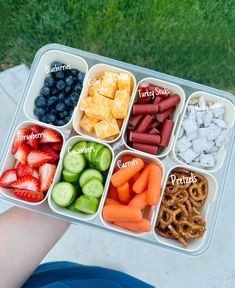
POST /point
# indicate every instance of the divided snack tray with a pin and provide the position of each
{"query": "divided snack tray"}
(167, 159)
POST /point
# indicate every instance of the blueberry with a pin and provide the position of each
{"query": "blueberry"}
(53, 111)
(43, 118)
(74, 72)
(60, 107)
(54, 91)
(74, 97)
(77, 88)
(55, 64)
(68, 102)
(67, 119)
(59, 75)
(69, 80)
(68, 89)
(40, 101)
(52, 100)
(39, 111)
(60, 85)
(49, 81)
(71, 112)
(60, 122)
(81, 77)
(45, 91)
(50, 118)
(61, 97)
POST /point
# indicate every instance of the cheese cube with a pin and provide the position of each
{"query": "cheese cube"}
(108, 89)
(104, 129)
(84, 102)
(98, 111)
(93, 85)
(99, 99)
(120, 104)
(123, 95)
(124, 82)
(87, 123)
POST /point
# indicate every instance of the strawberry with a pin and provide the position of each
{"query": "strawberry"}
(36, 129)
(37, 158)
(28, 195)
(45, 148)
(22, 153)
(56, 146)
(33, 141)
(7, 178)
(50, 136)
(35, 173)
(23, 169)
(46, 175)
(27, 182)
(19, 138)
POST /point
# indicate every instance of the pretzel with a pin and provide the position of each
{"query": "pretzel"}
(179, 217)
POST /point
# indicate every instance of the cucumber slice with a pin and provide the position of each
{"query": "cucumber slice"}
(89, 149)
(63, 194)
(69, 176)
(74, 162)
(93, 187)
(79, 147)
(103, 159)
(72, 208)
(87, 204)
(94, 153)
(89, 174)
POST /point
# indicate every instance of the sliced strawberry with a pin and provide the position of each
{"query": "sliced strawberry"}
(22, 153)
(36, 129)
(37, 158)
(45, 148)
(27, 182)
(35, 173)
(19, 138)
(56, 146)
(50, 136)
(7, 178)
(16, 164)
(23, 169)
(28, 195)
(33, 141)
(46, 175)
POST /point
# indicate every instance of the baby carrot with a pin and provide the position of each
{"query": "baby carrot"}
(124, 194)
(121, 213)
(154, 185)
(139, 201)
(141, 226)
(110, 201)
(124, 174)
(142, 182)
(113, 192)
(135, 177)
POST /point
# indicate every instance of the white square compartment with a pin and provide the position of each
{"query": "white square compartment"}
(149, 210)
(229, 116)
(174, 88)
(95, 72)
(194, 244)
(10, 161)
(63, 211)
(40, 74)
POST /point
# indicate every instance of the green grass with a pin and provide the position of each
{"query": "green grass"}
(193, 39)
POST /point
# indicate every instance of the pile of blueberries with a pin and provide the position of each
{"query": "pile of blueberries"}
(59, 95)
